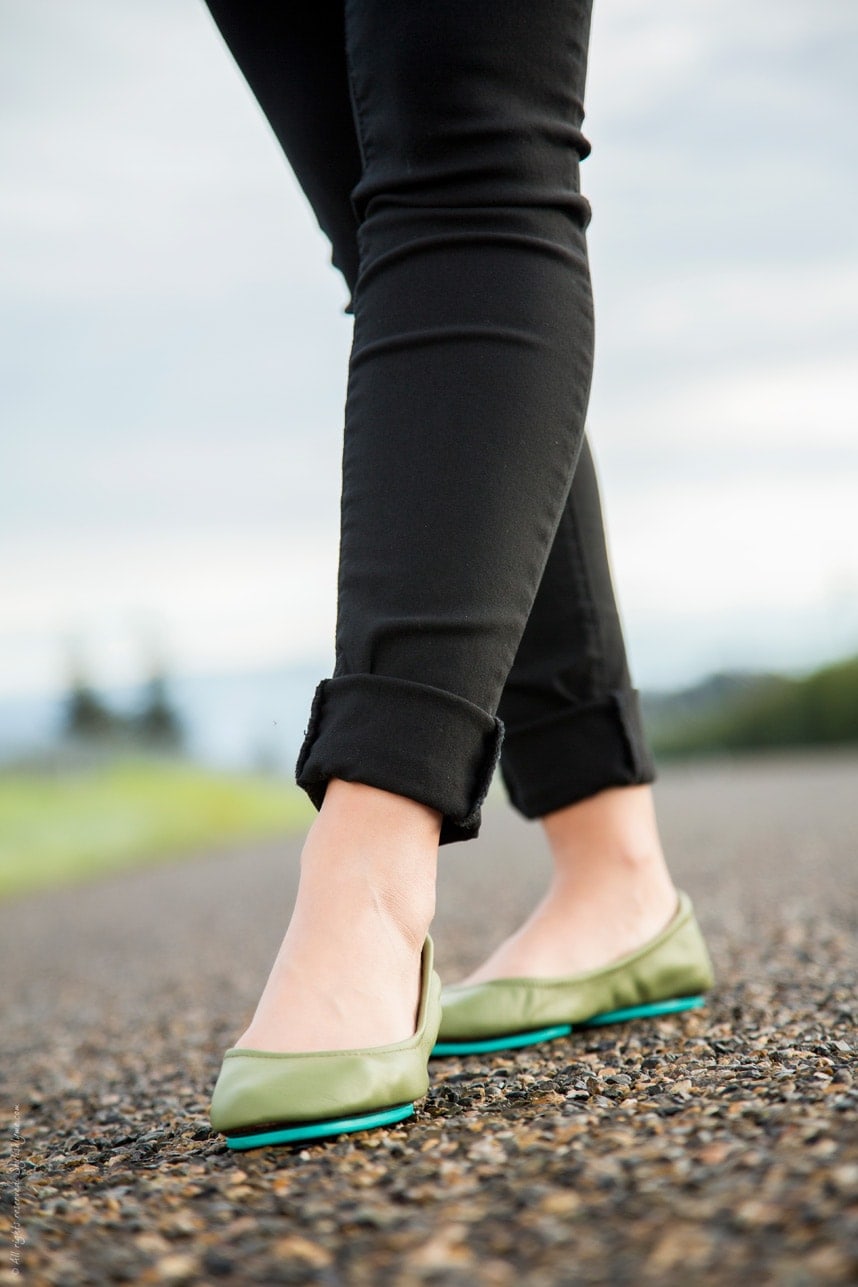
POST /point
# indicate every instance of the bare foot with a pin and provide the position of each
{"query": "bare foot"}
(610, 892)
(347, 975)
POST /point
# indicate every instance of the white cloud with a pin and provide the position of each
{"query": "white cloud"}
(212, 602)
(762, 411)
(719, 311)
(285, 483)
(730, 546)
(644, 55)
(721, 575)
(154, 162)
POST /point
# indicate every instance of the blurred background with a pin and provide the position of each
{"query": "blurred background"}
(172, 377)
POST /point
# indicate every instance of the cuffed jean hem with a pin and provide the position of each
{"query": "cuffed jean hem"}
(569, 757)
(404, 737)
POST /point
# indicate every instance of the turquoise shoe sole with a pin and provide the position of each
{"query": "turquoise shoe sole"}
(321, 1130)
(518, 1040)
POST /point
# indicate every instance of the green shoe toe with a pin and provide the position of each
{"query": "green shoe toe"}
(266, 1097)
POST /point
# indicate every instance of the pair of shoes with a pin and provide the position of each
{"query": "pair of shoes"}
(267, 1097)
(263, 1097)
(667, 974)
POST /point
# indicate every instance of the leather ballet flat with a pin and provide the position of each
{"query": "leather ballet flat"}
(268, 1097)
(669, 973)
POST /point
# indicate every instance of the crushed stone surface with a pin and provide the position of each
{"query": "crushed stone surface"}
(716, 1146)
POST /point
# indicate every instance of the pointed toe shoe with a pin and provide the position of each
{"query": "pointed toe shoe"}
(266, 1097)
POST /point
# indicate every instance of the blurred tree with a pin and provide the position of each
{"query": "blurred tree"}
(85, 714)
(157, 723)
(820, 709)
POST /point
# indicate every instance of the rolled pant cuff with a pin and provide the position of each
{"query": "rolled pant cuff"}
(404, 737)
(569, 757)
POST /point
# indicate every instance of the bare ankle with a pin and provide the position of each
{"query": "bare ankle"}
(378, 850)
(378, 814)
(615, 829)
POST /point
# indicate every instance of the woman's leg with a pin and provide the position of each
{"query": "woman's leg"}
(468, 385)
(572, 723)
(572, 719)
(471, 362)
(469, 381)
(575, 755)
(296, 66)
(346, 975)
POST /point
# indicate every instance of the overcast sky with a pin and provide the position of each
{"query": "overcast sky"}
(173, 353)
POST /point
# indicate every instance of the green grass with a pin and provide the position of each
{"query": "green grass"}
(70, 826)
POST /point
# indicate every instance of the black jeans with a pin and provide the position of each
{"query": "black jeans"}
(439, 147)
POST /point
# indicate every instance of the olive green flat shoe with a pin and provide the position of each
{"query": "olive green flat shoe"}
(265, 1097)
(669, 973)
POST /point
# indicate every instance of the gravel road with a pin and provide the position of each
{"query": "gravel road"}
(713, 1147)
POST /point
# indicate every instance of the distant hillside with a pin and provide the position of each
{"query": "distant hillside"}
(757, 712)
(667, 712)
